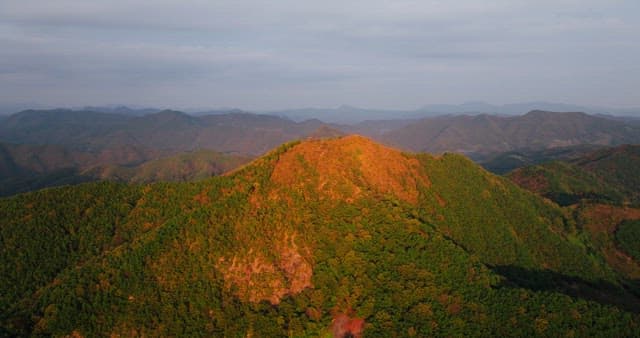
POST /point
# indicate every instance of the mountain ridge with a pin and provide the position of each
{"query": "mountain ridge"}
(482, 135)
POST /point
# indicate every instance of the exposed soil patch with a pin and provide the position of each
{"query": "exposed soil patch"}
(259, 277)
(345, 326)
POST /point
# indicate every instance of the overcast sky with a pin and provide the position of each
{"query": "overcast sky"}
(263, 55)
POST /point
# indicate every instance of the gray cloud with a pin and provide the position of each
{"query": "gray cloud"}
(274, 54)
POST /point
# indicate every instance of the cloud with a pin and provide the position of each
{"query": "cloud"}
(270, 54)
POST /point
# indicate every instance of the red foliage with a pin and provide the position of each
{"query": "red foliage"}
(345, 326)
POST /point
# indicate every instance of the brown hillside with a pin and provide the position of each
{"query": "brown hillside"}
(343, 167)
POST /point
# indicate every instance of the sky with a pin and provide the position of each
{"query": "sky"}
(265, 55)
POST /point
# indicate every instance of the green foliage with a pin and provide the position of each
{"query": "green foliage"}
(604, 176)
(567, 184)
(628, 237)
(44, 233)
(146, 260)
(469, 205)
(618, 168)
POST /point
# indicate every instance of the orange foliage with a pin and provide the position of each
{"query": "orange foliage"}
(76, 334)
(258, 278)
(345, 326)
(346, 165)
(202, 197)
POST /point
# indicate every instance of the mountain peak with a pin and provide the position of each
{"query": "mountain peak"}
(349, 167)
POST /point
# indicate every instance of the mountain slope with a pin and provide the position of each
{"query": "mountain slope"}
(482, 135)
(26, 167)
(30, 167)
(608, 175)
(58, 126)
(186, 166)
(602, 190)
(341, 236)
(503, 163)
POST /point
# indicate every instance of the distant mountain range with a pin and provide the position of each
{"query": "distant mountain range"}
(254, 134)
(167, 130)
(482, 135)
(80, 139)
(346, 114)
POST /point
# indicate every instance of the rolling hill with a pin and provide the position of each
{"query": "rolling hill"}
(609, 175)
(185, 166)
(342, 237)
(503, 163)
(31, 167)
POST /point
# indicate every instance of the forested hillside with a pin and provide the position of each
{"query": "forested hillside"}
(26, 167)
(322, 237)
(601, 189)
(609, 174)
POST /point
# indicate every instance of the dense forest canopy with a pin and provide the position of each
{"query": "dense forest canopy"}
(334, 236)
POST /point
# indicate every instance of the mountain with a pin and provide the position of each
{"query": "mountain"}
(58, 126)
(343, 114)
(166, 130)
(326, 131)
(480, 136)
(186, 166)
(609, 174)
(59, 147)
(30, 167)
(484, 135)
(339, 236)
(503, 163)
(602, 190)
(219, 111)
(346, 114)
(121, 110)
(479, 107)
